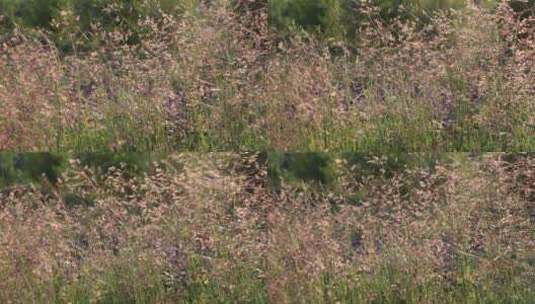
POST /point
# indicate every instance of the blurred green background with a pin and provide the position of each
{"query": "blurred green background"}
(339, 18)
(330, 18)
(75, 22)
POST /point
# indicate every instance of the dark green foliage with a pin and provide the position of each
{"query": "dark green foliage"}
(31, 13)
(29, 167)
(32, 167)
(524, 8)
(77, 20)
(108, 13)
(320, 16)
(310, 167)
(308, 14)
(342, 18)
(319, 168)
(315, 168)
(74, 200)
(39, 164)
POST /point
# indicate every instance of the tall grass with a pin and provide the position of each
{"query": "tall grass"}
(220, 81)
(355, 200)
(204, 228)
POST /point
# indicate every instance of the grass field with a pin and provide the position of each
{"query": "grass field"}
(244, 151)
(215, 80)
(205, 228)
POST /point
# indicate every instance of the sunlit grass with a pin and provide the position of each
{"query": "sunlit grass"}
(208, 228)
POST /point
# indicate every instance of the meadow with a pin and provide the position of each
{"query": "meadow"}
(216, 228)
(267, 151)
(220, 76)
